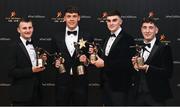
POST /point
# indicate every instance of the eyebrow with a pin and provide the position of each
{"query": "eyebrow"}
(113, 20)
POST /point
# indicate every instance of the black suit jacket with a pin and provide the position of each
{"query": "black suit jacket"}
(20, 71)
(118, 65)
(160, 70)
(59, 45)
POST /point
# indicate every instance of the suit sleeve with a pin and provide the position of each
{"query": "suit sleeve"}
(166, 68)
(14, 69)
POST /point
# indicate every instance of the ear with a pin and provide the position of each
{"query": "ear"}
(18, 30)
(121, 21)
(79, 18)
(157, 30)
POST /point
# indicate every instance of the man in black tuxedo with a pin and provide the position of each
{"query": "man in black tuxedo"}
(71, 85)
(116, 61)
(152, 79)
(23, 69)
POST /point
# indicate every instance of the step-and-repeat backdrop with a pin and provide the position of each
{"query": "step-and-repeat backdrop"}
(48, 20)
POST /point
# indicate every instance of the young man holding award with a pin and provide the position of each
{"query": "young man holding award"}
(116, 62)
(23, 67)
(71, 72)
(153, 76)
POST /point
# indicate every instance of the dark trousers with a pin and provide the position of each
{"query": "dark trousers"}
(34, 101)
(71, 96)
(145, 99)
(71, 93)
(114, 98)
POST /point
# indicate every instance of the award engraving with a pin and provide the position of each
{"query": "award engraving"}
(80, 69)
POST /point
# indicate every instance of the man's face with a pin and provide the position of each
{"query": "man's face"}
(25, 29)
(71, 20)
(113, 23)
(149, 31)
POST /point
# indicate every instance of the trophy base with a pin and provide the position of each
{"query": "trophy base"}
(40, 63)
(62, 69)
(140, 61)
(93, 57)
(80, 70)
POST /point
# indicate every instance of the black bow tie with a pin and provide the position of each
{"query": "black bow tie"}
(72, 32)
(148, 45)
(112, 35)
(29, 42)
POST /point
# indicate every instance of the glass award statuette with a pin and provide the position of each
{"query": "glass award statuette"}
(78, 47)
(59, 57)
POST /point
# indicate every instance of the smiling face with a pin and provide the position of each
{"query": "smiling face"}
(149, 31)
(25, 29)
(71, 20)
(113, 23)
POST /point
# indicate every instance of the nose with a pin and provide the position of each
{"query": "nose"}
(147, 30)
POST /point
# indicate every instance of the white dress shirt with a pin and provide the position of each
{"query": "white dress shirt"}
(111, 41)
(31, 51)
(70, 39)
(145, 54)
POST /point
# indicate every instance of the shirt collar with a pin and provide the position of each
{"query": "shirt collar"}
(152, 42)
(117, 31)
(24, 40)
(76, 29)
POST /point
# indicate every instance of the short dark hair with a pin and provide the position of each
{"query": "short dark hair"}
(72, 9)
(148, 20)
(24, 20)
(113, 13)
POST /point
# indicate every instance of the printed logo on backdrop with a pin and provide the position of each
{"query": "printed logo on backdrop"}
(163, 38)
(178, 39)
(36, 16)
(85, 17)
(5, 84)
(12, 18)
(58, 17)
(175, 16)
(128, 17)
(48, 84)
(102, 17)
(152, 14)
(176, 62)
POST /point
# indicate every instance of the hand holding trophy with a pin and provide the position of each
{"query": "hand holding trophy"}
(138, 60)
(93, 52)
(41, 57)
(59, 62)
(79, 54)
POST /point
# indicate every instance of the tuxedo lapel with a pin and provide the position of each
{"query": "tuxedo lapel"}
(105, 43)
(116, 41)
(153, 51)
(24, 50)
